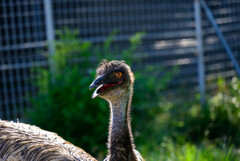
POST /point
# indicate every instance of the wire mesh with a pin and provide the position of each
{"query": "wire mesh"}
(21, 39)
(217, 62)
(170, 39)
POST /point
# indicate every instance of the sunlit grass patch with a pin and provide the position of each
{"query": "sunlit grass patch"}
(170, 151)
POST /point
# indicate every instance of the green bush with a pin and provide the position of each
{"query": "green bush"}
(64, 104)
(218, 120)
(225, 113)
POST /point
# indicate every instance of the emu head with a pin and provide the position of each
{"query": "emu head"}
(113, 78)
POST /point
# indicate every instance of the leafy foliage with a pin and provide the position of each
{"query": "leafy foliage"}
(218, 120)
(225, 113)
(64, 103)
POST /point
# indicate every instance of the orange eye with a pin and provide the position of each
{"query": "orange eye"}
(118, 74)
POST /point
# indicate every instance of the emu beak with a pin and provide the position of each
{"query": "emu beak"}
(97, 83)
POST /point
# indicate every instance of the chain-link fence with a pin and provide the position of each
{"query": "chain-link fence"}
(170, 38)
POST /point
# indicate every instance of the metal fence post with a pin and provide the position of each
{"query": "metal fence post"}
(201, 70)
(220, 35)
(50, 32)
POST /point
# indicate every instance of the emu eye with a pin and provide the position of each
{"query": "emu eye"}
(118, 74)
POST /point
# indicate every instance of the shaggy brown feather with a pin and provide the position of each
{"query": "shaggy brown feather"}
(22, 142)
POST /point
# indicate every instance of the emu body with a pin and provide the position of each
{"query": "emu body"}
(114, 82)
(23, 142)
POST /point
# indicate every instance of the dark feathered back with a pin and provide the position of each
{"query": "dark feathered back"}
(22, 142)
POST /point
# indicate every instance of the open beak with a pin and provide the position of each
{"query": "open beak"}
(97, 83)
(102, 85)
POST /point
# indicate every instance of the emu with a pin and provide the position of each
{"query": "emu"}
(114, 83)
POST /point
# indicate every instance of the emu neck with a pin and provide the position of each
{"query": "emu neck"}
(120, 136)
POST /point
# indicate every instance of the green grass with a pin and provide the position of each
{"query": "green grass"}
(170, 151)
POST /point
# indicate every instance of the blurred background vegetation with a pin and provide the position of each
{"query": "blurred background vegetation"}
(164, 128)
